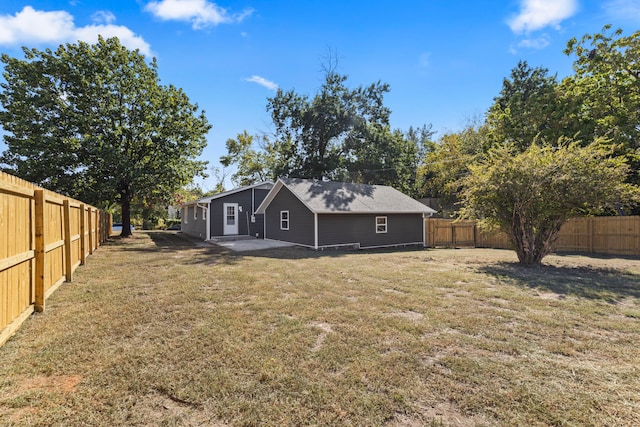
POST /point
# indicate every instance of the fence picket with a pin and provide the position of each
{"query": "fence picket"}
(602, 235)
(37, 232)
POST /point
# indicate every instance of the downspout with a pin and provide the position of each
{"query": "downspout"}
(315, 230)
(205, 208)
(208, 232)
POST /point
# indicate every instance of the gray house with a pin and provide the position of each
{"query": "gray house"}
(320, 214)
(231, 213)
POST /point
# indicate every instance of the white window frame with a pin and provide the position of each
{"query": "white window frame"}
(185, 214)
(284, 220)
(204, 213)
(381, 227)
(195, 212)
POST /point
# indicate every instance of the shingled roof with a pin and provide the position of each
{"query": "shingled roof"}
(342, 197)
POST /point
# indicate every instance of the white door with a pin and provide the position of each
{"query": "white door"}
(230, 216)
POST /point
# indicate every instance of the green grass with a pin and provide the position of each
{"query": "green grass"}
(157, 331)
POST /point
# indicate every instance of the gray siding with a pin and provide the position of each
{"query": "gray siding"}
(248, 203)
(341, 229)
(243, 199)
(193, 227)
(301, 224)
(257, 228)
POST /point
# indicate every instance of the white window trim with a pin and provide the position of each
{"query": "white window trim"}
(204, 213)
(284, 220)
(195, 212)
(185, 215)
(378, 231)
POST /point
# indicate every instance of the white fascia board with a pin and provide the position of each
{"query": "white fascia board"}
(208, 199)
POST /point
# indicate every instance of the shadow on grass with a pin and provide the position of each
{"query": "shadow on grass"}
(172, 244)
(299, 252)
(605, 284)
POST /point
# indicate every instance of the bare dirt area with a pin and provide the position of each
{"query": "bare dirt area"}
(158, 330)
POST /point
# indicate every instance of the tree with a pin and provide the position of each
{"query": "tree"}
(448, 161)
(388, 158)
(254, 164)
(315, 138)
(529, 195)
(340, 133)
(606, 86)
(529, 108)
(92, 121)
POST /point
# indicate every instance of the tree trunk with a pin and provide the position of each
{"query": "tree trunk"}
(531, 246)
(126, 215)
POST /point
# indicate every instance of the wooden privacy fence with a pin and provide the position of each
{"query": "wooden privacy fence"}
(44, 237)
(619, 235)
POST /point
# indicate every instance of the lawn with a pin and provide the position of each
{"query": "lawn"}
(157, 331)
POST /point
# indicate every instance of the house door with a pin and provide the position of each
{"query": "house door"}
(230, 216)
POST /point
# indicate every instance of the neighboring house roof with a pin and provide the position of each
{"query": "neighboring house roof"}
(342, 197)
(266, 185)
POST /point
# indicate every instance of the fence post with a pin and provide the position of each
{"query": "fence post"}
(83, 235)
(40, 250)
(427, 233)
(590, 229)
(98, 229)
(90, 215)
(475, 234)
(66, 209)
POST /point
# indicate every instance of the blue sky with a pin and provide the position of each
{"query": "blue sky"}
(443, 59)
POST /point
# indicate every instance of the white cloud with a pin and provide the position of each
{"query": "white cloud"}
(127, 37)
(538, 14)
(103, 17)
(424, 60)
(200, 13)
(35, 26)
(31, 25)
(262, 82)
(535, 43)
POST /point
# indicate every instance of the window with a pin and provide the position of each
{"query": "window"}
(381, 224)
(204, 213)
(195, 212)
(284, 220)
(231, 215)
(185, 215)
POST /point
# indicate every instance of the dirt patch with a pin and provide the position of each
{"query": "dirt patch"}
(158, 409)
(56, 384)
(410, 315)
(447, 414)
(326, 329)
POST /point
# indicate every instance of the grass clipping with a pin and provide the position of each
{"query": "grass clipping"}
(158, 331)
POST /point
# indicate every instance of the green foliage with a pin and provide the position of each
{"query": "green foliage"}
(92, 121)
(449, 160)
(529, 195)
(529, 108)
(254, 164)
(389, 158)
(340, 134)
(605, 86)
(314, 138)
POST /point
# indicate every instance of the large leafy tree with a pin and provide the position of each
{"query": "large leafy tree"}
(606, 87)
(529, 107)
(316, 137)
(94, 122)
(387, 158)
(340, 133)
(529, 195)
(253, 157)
(448, 161)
